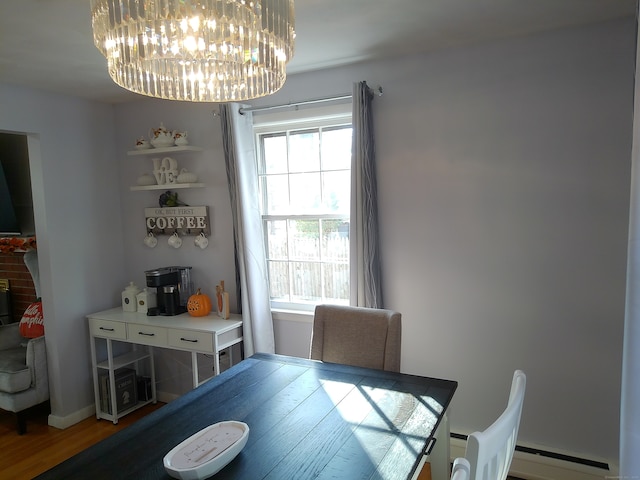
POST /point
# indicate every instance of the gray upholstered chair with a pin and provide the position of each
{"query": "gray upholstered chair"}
(24, 381)
(364, 337)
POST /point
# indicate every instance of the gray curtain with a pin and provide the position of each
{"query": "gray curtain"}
(366, 288)
(252, 283)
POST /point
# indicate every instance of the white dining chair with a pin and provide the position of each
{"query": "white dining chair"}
(490, 452)
(461, 469)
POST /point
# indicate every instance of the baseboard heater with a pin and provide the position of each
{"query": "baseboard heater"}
(537, 466)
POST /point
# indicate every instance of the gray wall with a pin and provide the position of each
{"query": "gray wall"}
(503, 176)
(504, 212)
(210, 265)
(78, 220)
(504, 198)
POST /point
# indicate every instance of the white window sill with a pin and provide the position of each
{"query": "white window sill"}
(292, 315)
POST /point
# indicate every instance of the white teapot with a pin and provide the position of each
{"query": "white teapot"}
(161, 137)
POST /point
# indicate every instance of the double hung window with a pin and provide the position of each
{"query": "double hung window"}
(304, 172)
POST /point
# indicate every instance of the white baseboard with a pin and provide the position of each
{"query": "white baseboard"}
(529, 466)
(90, 410)
(165, 397)
(69, 420)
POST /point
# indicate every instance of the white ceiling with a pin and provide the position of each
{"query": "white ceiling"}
(47, 44)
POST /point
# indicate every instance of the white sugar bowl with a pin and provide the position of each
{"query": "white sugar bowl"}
(142, 144)
(181, 138)
(187, 177)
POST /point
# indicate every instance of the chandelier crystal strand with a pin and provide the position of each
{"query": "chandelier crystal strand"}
(200, 51)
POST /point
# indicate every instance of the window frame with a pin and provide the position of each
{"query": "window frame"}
(303, 118)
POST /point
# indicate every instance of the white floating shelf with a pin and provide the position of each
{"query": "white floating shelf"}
(168, 186)
(158, 151)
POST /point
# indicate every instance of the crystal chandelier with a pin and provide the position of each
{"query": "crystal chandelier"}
(199, 51)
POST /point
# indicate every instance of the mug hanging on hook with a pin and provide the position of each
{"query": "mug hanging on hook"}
(150, 240)
(201, 241)
(174, 240)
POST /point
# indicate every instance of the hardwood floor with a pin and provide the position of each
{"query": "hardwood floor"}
(43, 447)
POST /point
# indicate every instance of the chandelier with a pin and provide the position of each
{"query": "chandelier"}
(196, 50)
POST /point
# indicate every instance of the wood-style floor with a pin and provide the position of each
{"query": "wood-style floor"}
(43, 447)
(23, 457)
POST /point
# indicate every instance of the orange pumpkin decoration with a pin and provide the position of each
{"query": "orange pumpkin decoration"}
(199, 304)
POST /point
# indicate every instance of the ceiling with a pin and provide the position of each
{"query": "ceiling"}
(47, 44)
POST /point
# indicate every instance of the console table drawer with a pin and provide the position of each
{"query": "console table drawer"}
(107, 329)
(147, 335)
(191, 340)
(230, 337)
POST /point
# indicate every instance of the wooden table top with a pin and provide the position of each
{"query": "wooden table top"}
(307, 419)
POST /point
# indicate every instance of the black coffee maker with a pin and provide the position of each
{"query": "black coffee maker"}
(173, 289)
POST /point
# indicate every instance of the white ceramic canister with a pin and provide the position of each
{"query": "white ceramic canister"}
(129, 300)
(145, 300)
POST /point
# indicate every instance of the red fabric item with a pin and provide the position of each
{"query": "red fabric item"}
(32, 323)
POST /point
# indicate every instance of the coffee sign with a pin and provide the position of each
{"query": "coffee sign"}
(185, 220)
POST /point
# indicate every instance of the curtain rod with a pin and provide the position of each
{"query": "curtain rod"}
(377, 91)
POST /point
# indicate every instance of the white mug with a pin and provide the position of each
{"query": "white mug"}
(150, 240)
(201, 241)
(174, 240)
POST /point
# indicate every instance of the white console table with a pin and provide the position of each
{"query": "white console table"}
(208, 335)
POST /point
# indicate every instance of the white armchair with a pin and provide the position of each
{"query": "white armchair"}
(24, 380)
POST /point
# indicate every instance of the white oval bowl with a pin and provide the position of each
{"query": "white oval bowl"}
(206, 452)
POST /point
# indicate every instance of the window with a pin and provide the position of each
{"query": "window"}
(304, 171)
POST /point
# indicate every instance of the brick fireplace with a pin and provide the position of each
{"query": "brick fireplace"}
(23, 291)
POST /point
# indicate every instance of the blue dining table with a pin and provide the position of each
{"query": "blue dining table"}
(307, 419)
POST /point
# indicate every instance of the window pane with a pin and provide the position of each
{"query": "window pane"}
(306, 282)
(336, 283)
(336, 149)
(275, 154)
(305, 192)
(336, 188)
(304, 239)
(304, 151)
(276, 232)
(277, 196)
(279, 281)
(335, 241)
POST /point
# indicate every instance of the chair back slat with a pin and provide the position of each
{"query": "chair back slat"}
(461, 469)
(490, 452)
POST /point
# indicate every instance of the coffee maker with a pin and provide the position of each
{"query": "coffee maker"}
(173, 289)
